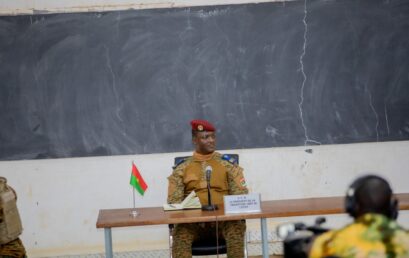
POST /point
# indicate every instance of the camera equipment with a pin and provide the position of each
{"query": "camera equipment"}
(298, 237)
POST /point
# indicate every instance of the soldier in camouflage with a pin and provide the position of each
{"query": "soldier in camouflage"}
(227, 179)
(374, 233)
(10, 223)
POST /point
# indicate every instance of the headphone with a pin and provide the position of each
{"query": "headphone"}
(351, 205)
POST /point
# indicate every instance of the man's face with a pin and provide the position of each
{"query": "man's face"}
(205, 142)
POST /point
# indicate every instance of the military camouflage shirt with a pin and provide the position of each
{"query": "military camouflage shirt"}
(13, 249)
(226, 178)
(371, 235)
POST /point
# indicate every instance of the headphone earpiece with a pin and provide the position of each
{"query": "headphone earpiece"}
(351, 204)
(350, 199)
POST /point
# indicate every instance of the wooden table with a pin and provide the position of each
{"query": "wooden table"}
(108, 219)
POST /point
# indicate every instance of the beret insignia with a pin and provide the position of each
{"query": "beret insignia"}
(202, 125)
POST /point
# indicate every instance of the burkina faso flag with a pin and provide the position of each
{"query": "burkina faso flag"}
(137, 180)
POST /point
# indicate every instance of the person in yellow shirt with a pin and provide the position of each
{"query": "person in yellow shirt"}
(374, 232)
(226, 179)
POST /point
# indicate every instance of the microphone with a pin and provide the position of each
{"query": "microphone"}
(209, 206)
(208, 173)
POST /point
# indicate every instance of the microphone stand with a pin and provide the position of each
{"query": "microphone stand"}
(209, 206)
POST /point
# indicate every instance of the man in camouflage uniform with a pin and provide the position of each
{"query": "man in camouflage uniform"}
(10, 223)
(227, 179)
(374, 233)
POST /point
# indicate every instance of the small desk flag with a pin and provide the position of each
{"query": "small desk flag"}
(137, 180)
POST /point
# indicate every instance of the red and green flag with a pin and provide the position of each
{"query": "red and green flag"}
(137, 180)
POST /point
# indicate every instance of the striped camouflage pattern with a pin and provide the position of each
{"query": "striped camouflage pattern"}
(370, 236)
(185, 234)
(13, 249)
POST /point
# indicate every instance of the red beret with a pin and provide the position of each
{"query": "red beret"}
(202, 125)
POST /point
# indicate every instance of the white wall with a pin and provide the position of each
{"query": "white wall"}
(59, 199)
(36, 6)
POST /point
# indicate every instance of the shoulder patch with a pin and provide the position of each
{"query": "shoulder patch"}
(179, 161)
(229, 158)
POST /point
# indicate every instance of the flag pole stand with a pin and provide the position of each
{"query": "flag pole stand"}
(134, 213)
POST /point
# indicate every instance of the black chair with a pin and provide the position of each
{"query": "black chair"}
(211, 246)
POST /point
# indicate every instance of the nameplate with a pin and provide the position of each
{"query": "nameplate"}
(245, 203)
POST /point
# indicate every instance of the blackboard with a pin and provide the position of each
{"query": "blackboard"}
(274, 74)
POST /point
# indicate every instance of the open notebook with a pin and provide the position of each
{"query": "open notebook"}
(190, 202)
